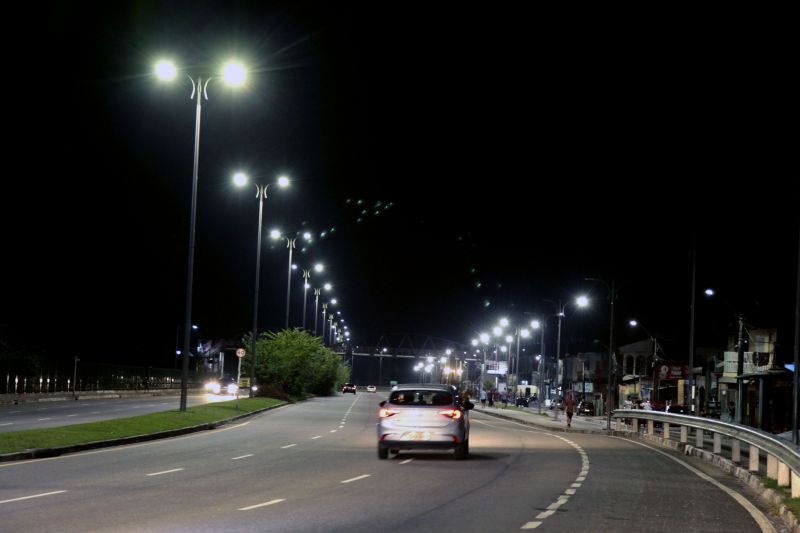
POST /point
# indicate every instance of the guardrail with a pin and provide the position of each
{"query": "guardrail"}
(783, 458)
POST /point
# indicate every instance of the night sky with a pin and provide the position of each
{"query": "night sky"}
(473, 162)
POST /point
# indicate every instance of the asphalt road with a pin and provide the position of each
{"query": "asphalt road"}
(313, 466)
(37, 415)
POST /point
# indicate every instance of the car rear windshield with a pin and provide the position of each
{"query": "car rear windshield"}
(420, 397)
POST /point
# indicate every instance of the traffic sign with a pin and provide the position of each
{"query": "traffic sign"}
(240, 352)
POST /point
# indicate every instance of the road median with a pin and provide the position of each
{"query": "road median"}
(50, 442)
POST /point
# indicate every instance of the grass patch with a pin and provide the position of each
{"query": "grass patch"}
(792, 503)
(19, 441)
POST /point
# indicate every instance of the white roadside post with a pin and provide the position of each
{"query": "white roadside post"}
(240, 354)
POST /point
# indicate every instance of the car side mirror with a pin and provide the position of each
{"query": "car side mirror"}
(468, 405)
(383, 403)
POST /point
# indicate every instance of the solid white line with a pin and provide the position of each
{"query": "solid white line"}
(33, 496)
(271, 502)
(288, 446)
(356, 478)
(7, 424)
(406, 461)
(241, 456)
(165, 472)
(757, 515)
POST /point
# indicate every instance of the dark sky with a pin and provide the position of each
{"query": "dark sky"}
(522, 150)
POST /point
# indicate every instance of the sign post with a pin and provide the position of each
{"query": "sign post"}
(240, 354)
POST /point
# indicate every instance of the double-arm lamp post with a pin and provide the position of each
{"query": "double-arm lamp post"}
(234, 74)
(241, 179)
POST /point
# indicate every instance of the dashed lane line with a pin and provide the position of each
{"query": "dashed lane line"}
(256, 506)
(356, 478)
(241, 457)
(32, 496)
(165, 472)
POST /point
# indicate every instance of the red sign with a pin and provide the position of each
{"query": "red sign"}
(673, 372)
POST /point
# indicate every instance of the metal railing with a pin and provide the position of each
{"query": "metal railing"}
(783, 457)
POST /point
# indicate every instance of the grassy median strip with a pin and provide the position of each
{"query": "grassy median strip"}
(19, 441)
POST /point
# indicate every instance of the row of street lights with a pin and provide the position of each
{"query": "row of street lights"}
(235, 75)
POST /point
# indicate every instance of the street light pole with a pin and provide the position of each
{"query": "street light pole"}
(324, 312)
(234, 74)
(290, 245)
(316, 308)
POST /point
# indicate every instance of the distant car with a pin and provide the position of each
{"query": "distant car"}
(348, 387)
(522, 401)
(424, 417)
(225, 385)
(371, 388)
(586, 408)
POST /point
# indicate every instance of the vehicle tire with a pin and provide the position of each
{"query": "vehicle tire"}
(462, 450)
(383, 453)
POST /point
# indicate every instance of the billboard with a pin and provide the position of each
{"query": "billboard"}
(497, 367)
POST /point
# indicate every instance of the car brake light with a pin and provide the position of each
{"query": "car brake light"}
(386, 413)
(455, 414)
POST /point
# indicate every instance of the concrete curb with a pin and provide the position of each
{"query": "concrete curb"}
(768, 496)
(39, 453)
(16, 399)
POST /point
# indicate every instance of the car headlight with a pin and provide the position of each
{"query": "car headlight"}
(232, 389)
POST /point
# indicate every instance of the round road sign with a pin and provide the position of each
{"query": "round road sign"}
(240, 352)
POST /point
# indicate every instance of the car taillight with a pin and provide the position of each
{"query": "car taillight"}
(386, 413)
(455, 414)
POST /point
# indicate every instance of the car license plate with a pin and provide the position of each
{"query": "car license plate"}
(417, 435)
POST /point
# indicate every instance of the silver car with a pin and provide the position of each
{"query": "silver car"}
(424, 417)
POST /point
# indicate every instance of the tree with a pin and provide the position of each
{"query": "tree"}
(294, 363)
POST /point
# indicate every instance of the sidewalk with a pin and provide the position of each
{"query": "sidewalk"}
(531, 416)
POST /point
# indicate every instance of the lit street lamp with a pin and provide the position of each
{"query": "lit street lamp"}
(290, 244)
(306, 275)
(241, 179)
(317, 292)
(612, 296)
(234, 74)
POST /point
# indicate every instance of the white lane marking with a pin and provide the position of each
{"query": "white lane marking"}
(333, 431)
(32, 496)
(288, 446)
(241, 457)
(356, 478)
(17, 411)
(569, 491)
(576, 485)
(317, 437)
(43, 419)
(545, 514)
(531, 525)
(271, 502)
(95, 413)
(165, 472)
(406, 461)
(71, 415)
(757, 515)
(341, 427)
(7, 424)
(580, 478)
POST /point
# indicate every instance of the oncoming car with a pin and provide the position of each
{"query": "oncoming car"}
(222, 386)
(424, 417)
(348, 387)
(371, 388)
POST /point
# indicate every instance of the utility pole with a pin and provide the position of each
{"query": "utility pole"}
(740, 371)
(796, 380)
(688, 399)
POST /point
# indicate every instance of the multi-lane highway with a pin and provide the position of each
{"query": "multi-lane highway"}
(313, 466)
(37, 415)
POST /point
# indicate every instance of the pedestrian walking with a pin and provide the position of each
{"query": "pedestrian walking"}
(504, 399)
(483, 398)
(569, 408)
